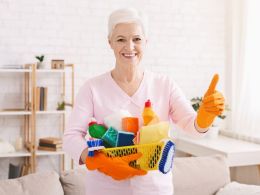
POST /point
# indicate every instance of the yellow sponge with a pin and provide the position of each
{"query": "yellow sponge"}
(154, 133)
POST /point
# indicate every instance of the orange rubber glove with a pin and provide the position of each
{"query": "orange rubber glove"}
(212, 105)
(116, 167)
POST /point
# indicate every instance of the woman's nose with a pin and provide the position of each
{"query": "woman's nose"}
(130, 45)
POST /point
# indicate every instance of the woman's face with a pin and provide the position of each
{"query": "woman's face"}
(128, 42)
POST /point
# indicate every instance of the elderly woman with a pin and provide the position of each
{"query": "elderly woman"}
(127, 86)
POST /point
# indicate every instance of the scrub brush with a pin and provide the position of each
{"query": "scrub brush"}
(167, 156)
(95, 144)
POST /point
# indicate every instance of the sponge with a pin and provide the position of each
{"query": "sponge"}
(154, 133)
(110, 137)
(125, 138)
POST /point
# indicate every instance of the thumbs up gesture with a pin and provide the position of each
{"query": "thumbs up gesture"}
(212, 105)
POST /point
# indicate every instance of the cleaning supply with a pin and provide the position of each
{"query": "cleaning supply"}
(130, 124)
(154, 133)
(96, 130)
(110, 137)
(154, 120)
(115, 119)
(148, 113)
(166, 159)
(212, 105)
(136, 140)
(94, 145)
(124, 138)
(116, 167)
(155, 156)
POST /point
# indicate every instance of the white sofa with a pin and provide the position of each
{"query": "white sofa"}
(192, 176)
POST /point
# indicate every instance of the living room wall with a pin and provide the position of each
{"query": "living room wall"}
(187, 41)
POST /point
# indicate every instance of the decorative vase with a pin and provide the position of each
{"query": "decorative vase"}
(213, 132)
(40, 65)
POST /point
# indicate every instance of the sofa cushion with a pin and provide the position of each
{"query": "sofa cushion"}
(200, 175)
(239, 189)
(191, 175)
(41, 183)
(73, 181)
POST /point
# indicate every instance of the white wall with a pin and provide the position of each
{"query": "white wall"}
(187, 41)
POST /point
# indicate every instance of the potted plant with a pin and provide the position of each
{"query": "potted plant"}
(214, 129)
(40, 61)
(61, 105)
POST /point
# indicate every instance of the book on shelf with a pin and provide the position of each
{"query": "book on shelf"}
(50, 140)
(49, 148)
(19, 170)
(14, 171)
(45, 92)
(50, 145)
(41, 98)
(24, 170)
(37, 99)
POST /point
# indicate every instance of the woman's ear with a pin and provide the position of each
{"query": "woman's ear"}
(109, 41)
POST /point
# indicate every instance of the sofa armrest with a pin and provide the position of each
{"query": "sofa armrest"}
(41, 183)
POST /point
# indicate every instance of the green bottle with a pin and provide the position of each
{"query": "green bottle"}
(96, 130)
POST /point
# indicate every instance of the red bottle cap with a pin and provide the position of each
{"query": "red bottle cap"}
(92, 123)
(148, 103)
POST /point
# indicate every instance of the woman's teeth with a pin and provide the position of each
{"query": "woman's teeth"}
(129, 55)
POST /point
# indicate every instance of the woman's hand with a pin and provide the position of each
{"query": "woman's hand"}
(84, 155)
(212, 105)
(116, 167)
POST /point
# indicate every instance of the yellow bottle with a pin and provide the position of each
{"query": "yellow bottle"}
(148, 114)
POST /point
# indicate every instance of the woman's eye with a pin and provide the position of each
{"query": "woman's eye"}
(120, 40)
(137, 39)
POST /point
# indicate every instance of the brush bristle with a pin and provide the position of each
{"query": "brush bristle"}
(93, 144)
(166, 161)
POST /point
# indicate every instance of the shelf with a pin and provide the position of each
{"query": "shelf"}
(12, 113)
(52, 70)
(37, 70)
(51, 112)
(15, 70)
(31, 116)
(22, 153)
(44, 153)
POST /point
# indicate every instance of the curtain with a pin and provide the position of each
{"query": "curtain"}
(245, 69)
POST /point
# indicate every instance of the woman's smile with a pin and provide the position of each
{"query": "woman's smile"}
(129, 55)
(128, 43)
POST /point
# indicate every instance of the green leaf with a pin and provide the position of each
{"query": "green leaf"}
(40, 58)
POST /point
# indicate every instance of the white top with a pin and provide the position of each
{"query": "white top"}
(238, 152)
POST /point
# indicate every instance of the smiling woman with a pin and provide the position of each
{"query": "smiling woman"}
(127, 87)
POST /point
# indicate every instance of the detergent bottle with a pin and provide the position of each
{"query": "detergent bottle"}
(148, 114)
(96, 130)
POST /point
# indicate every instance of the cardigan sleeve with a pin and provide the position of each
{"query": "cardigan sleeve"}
(181, 111)
(74, 136)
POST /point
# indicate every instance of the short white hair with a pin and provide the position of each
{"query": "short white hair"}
(127, 15)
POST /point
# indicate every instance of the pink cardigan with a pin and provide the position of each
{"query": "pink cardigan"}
(101, 96)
